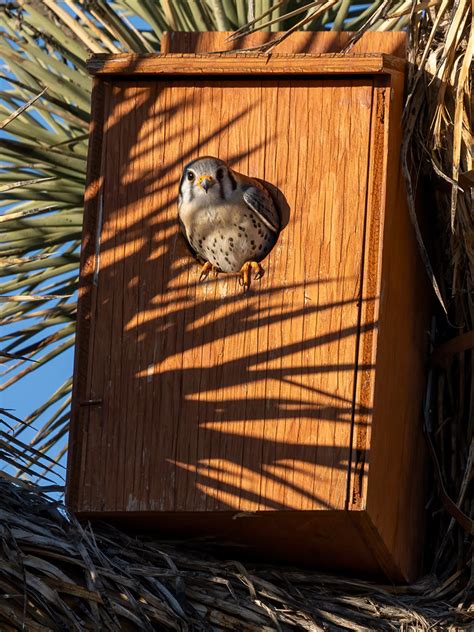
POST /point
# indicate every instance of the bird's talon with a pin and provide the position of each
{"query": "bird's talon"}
(245, 271)
(259, 271)
(244, 281)
(206, 269)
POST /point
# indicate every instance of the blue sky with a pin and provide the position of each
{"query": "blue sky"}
(30, 392)
(22, 398)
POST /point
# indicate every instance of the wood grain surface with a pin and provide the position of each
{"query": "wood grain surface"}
(392, 43)
(85, 312)
(396, 492)
(244, 64)
(244, 401)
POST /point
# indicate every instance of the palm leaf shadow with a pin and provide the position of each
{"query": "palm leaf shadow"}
(187, 428)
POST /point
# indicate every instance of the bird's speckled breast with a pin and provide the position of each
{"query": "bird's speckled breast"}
(226, 235)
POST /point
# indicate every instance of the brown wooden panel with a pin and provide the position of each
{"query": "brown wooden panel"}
(396, 488)
(80, 408)
(335, 540)
(214, 399)
(394, 43)
(128, 64)
(370, 297)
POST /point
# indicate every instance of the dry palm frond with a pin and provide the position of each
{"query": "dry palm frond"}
(437, 151)
(57, 575)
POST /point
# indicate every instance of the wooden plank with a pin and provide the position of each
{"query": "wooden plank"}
(247, 398)
(243, 64)
(370, 296)
(392, 43)
(77, 448)
(107, 315)
(102, 326)
(396, 484)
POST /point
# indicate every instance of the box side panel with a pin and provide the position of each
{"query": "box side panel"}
(86, 299)
(396, 480)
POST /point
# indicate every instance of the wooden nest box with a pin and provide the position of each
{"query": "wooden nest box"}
(287, 418)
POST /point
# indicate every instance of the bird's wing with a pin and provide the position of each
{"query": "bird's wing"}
(260, 202)
(186, 240)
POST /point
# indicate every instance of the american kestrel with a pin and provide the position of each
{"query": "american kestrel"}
(228, 219)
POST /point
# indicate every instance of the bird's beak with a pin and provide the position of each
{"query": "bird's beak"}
(206, 182)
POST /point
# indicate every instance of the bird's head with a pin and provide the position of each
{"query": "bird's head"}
(206, 179)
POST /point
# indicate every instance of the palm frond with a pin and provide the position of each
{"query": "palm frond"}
(57, 574)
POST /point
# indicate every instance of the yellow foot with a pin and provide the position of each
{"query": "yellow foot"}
(245, 272)
(206, 269)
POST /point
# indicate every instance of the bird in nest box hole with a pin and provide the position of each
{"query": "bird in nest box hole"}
(229, 220)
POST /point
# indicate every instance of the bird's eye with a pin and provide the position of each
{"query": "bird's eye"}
(190, 176)
(220, 174)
